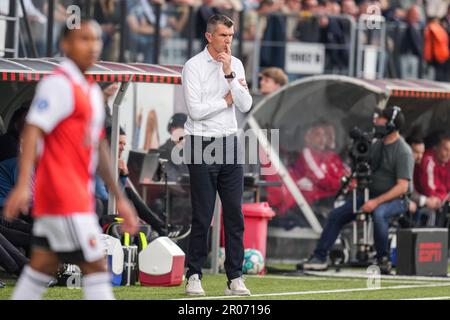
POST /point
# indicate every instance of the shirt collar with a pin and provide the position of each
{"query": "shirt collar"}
(74, 72)
(208, 55)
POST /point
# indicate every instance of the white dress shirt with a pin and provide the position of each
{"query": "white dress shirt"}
(205, 87)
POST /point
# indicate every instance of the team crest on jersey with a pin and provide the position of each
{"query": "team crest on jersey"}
(41, 104)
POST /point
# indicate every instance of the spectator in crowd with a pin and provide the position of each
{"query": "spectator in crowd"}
(291, 7)
(15, 234)
(101, 191)
(421, 205)
(335, 35)
(141, 21)
(108, 91)
(106, 14)
(433, 173)
(308, 27)
(272, 79)
(446, 20)
(176, 130)
(446, 24)
(272, 51)
(436, 48)
(319, 170)
(336, 166)
(411, 47)
(177, 172)
(143, 211)
(9, 152)
(350, 8)
(206, 10)
(178, 18)
(10, 141)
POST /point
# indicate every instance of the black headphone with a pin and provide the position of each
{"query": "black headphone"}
(391, 126)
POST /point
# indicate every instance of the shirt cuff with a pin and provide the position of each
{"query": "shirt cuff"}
(234, 84)
(422, 201)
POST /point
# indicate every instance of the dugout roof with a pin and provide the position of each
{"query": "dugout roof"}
(346, 102)
(23, 70)
(19, 76)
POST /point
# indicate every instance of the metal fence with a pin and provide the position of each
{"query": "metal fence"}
(304, 44)
(301, 44)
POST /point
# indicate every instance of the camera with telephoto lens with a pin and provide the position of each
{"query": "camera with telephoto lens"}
(360, 155)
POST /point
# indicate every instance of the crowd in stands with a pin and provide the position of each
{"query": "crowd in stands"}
(417, 41)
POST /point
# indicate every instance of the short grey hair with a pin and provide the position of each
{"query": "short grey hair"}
(217, 19)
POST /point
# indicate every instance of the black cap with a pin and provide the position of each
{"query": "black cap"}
(177, 121)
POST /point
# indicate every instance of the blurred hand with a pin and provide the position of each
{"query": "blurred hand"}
(17, 202)
(128, 213)
(166, 32)
(229, 99)
(370, 206)
(110, 90)
(433, 203)
(176, 135)
(123, 168)
(412, 207)
(109, 28)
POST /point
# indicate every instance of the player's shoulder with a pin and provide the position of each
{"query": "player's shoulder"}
(96, 88)
(53, 84)
(404, 147)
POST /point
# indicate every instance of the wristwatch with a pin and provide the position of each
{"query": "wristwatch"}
(232, 75)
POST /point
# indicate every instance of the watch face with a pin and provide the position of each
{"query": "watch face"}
(231, 75)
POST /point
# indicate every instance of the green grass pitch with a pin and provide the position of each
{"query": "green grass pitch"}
(278, 287)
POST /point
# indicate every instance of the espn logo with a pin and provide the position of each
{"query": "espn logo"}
(430, 252)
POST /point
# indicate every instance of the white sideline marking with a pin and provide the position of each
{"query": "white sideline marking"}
(335, 278)
(429, 298)
(323, 291)
(363, 275)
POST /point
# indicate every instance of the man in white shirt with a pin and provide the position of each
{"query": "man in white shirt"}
(214, 86)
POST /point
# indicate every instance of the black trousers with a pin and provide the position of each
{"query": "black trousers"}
(206, 180)
(17, 232)
(145, 213)
(11, 259)
(14, 234)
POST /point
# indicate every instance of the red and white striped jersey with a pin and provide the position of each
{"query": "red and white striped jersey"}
(70, 111)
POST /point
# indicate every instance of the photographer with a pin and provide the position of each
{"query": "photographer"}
(392, 164)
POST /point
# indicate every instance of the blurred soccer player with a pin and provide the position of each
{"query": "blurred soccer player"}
(64, 135)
